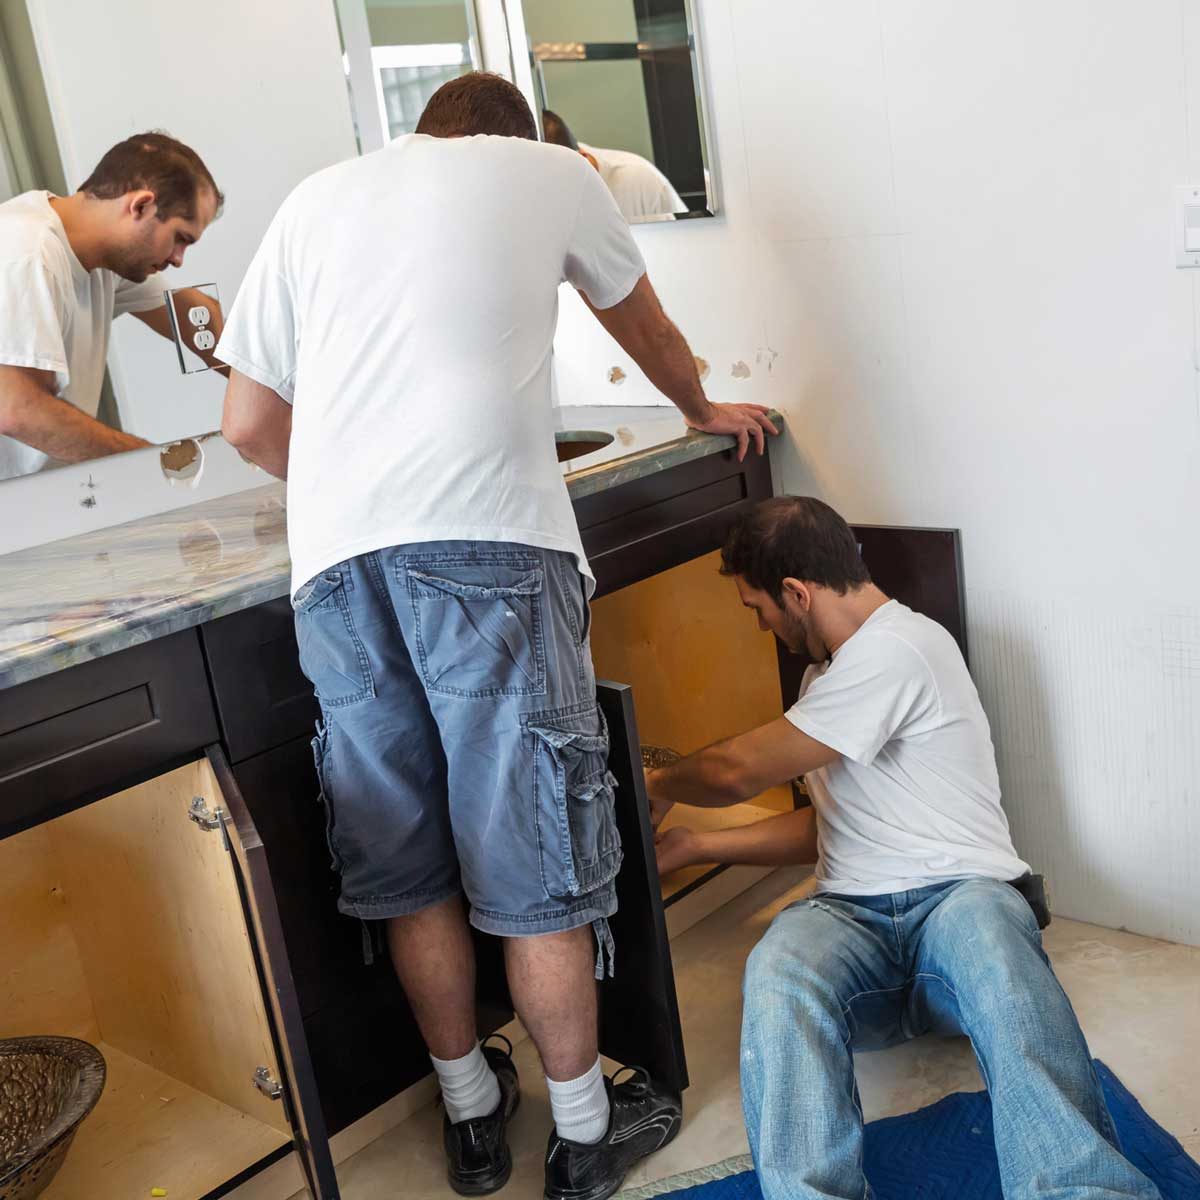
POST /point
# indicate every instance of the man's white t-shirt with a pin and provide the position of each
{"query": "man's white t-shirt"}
(638, 186)
(54, 315)
(914, 798)
(405, 304)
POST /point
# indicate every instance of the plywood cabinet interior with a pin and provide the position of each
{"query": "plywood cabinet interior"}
(121, 924)
(700, 668)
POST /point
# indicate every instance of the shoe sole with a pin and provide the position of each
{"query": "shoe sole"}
(471, 1187)
(611, 1189)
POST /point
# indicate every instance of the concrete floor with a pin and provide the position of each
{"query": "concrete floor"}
(1137, 999)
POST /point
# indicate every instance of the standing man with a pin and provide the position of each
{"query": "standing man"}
(914, 926)
(391, 353)
(68, 266)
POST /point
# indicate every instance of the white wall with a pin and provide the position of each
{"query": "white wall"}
(951, 221)
(256, 89)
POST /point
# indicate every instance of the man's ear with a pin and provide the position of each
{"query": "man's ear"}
(141, 204)
(797, 595)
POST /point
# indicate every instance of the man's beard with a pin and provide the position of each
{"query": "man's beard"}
(798, 641)
(134, 262)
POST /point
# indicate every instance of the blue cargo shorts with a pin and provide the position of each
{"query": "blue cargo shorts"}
(461, 747)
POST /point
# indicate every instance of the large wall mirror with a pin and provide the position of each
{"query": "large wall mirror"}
(304, 83)
(620, 81)
(77, 79)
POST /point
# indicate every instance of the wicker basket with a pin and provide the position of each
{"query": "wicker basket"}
(47, 1086)
(654, 757)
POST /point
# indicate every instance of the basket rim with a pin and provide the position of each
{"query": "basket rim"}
(93, 1072)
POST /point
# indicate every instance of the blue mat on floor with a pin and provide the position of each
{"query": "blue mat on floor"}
(945, 1152)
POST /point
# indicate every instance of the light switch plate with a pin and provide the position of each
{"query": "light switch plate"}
(1186, 220)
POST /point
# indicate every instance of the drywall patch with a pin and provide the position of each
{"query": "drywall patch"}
(182, 462)
(616, 376)
(766, 357)
(702, 367)
(740, 370)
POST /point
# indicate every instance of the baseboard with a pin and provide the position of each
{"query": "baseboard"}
(693, 907)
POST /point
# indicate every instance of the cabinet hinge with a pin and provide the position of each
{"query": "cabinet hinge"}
(202, 815)
(267, 1084)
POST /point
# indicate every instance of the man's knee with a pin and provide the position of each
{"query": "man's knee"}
(793, 968)
(986, 933)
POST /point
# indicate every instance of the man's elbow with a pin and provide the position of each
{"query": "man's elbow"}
(731, 780)
(238, 432)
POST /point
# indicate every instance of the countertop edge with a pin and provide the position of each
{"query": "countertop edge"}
(48, 655)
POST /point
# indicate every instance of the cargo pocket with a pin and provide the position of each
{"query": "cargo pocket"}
(578, 844)
(320, 749)
(478, 624)
(332, 654)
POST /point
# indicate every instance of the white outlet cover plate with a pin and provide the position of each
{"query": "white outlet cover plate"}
(1187, 197)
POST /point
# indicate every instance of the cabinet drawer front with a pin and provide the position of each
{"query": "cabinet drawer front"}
(82, 733)
(263, 698)
(651, 524)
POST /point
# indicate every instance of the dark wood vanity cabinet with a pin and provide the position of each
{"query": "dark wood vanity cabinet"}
(185, 763)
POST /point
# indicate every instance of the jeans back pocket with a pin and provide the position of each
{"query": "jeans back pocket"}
(332, 654)
(478, 624)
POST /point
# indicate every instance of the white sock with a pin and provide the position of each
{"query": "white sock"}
(580, 1107)
(469, 1086)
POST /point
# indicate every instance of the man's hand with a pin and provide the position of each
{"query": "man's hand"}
(659, 804)
(742, 421)
(675, 848)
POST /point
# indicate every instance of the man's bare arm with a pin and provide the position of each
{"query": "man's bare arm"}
(736, 769)
(644, 331)
(31, 413)
(781, 841)
(257, 423)
(159, 320)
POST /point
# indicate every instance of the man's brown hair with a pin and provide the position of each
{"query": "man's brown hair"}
(478, 102)
(175, 173)
(793, 537)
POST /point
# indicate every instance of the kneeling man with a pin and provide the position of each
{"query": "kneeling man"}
(914, 926)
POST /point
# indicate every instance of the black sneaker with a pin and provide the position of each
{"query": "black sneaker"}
(478, 1160)
(643, 1118)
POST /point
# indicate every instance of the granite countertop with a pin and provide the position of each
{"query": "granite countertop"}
(80, 598)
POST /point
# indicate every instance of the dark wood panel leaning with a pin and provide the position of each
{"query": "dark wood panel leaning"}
(921, 568)
(639, 1010)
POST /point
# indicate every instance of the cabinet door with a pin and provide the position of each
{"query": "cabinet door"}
(639, 1011)
(266, 937)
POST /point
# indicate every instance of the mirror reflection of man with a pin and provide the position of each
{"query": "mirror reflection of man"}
(640, 189)
(68, 266)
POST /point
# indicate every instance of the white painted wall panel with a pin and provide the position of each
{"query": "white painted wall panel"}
(954, 227)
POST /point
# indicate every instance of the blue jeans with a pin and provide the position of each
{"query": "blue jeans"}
(840, 973)
(462, 748)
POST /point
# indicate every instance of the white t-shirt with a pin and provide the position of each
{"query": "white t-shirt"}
(54, 315)
(638, 186)
(405, 304)
(914, 798)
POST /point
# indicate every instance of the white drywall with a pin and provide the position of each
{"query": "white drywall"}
(947, 256)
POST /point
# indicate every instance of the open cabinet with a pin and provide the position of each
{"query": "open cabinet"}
(137, 923)
(700, 670)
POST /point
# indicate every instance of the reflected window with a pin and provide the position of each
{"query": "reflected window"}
(408, 75)
(397, 53)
